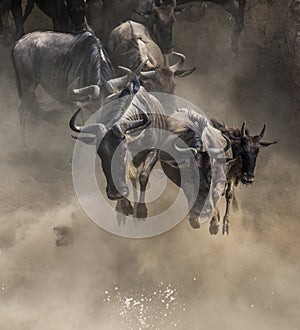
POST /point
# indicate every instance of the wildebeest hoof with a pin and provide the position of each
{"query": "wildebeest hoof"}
(195, 223)
(214, 226)
(141, 211)
(63, 235)
(124, 207)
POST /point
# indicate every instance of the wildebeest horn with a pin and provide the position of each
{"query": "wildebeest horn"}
(179, 64)
(217, 151)
(96, 129)
(266, 144)
(243, 129)
(92, 91)
(131, 74)
(115, 83)
(262, 133)
(148, 74)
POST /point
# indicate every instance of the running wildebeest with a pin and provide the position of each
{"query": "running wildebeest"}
(67, 15)
(236, 8)
(245, 149)
(15, 6)
(131, 45)
(70, 68)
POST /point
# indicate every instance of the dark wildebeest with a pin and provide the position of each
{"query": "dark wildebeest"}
(70, 68)
(131, 45)
(236, 8)
(15, 6)
(245, 149)
(125, 128)
(190, 127)
(66, 15)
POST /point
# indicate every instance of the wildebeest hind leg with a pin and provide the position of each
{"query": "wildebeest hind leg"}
(214, 225)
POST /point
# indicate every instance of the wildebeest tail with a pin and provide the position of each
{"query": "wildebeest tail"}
(17, 77)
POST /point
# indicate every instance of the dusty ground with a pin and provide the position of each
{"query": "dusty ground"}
(245, 281)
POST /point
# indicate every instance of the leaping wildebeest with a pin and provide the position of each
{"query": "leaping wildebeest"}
(190, 126)
(241, 164)
(124, 129)
(131, 44)
(70, 68)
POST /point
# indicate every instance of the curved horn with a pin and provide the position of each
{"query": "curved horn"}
(95, 129)
(120, 129)
(217, 151)
(131, 75)
(148, 74)
(179, 64)
(243, 129)
(114, 84)
(262, 133)
(92, 91)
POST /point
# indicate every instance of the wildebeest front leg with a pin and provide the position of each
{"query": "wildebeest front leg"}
(229, 196)
(124, 208)
(151, 159)
(16, 8)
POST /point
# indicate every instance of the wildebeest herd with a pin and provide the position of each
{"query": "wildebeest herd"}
(132, 59)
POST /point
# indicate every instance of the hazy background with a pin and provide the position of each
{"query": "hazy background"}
(184, 279)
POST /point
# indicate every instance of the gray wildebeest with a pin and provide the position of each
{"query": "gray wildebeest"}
(236, 8)
(241, 167)
(131, 44)
(198, 133)
(70, 68)
(66, 15)
(122, 130)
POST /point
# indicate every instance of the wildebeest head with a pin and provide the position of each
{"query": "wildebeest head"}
(246, 148)
(163, 80)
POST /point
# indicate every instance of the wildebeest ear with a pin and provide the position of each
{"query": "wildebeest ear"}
(184, 73)
(266, 144)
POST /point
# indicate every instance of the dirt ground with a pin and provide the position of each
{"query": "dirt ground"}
(184, 279)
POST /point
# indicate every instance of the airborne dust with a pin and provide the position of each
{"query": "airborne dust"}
(184, 279)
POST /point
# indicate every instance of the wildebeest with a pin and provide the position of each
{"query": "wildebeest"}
(245, 149)
(124, 127)
(70, 68)
(67, 15)
(189, 126)
(131, 44)
(15, 6)
(241, 165)
(236, 8)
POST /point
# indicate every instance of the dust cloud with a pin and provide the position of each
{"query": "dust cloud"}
(184, 279)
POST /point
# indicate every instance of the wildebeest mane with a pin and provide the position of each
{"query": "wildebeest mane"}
(83, 61)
